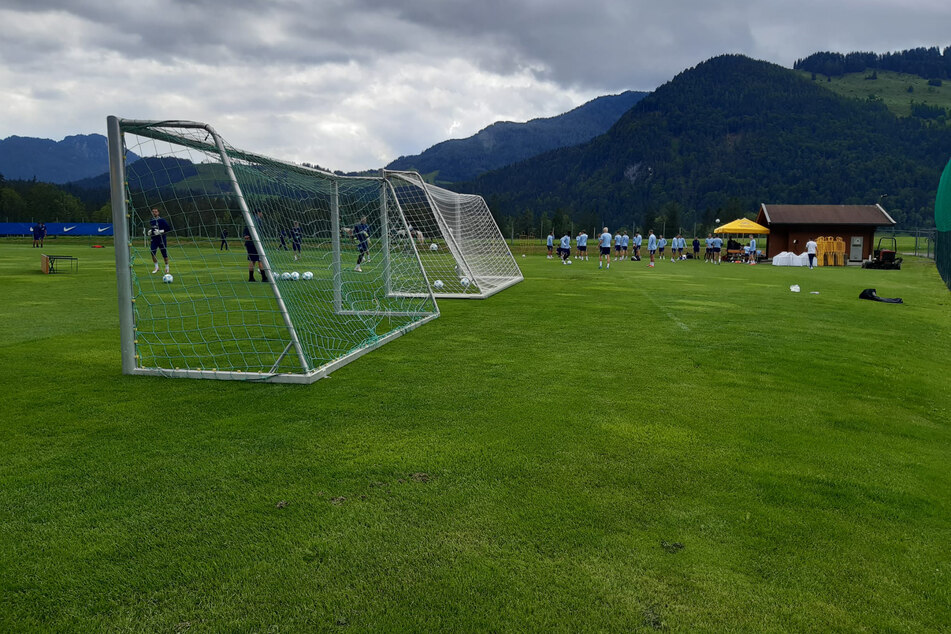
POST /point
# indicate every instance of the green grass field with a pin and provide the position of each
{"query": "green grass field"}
(688, 448)
(891, 88)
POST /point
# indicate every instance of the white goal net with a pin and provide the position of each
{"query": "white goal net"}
(233, 265)
(459, 242)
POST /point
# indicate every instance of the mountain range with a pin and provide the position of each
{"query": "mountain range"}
(86, 156)
(505, 142)
(717, 140)
(713, 142)
(74, 158)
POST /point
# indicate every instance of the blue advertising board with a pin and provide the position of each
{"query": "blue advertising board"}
(57, 228)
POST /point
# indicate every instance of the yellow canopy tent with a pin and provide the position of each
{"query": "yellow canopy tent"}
(741, 225)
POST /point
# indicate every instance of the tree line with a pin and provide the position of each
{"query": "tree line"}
(34, 201)
(927, 63)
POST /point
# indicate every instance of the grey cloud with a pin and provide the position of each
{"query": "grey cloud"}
(359, 80)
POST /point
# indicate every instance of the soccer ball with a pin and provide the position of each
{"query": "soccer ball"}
(568, 261)
(285, 276)
(523, 255)
(308, 275)
(295, 276)
(434, 247)
(167, 278)
(465, 282)
(438, 284)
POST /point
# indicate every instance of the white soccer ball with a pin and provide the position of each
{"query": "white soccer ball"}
(167, 278)
(308, 275)
(438, 284)
(465, 282)
(568, 261)
(295, 276)
(523, 255)
(285, 276)
(434, 247)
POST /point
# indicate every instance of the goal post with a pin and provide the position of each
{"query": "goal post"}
(459, 242)
(278, 272)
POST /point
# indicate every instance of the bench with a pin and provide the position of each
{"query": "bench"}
(48, 263)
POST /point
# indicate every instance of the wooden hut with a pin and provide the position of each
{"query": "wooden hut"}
(791, 226)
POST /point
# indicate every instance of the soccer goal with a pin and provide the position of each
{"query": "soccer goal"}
(276, 271)
(459, 242)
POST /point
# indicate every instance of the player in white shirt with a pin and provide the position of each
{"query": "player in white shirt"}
(604, 242)
(717, 244)
(651, 246)
(812, 248)
(564, 250)
(582, 241)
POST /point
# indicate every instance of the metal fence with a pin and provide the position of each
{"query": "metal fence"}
(918, 242)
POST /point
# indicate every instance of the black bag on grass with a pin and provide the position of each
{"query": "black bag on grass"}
(869, 293)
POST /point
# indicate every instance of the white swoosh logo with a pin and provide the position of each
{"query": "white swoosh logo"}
(101, 229)
(65, 229)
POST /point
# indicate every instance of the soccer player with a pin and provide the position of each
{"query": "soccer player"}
(361, 233)
(582, 241)
(625, 241)
(811, 248)
(297, 236)
(661, 245)
(551, 242)
(708, 248)
(651, 246)
(39, 233)
(617, 245)
(717, 244)
(283, 245)
(253, 256)
(158, 231)
(605, 243)
(565, 249)
(224, 240)
(752, 250)
(637, 247)
(416, 234)
(696, 248)
(681, 245)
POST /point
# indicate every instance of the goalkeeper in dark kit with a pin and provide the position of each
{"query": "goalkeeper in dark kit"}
(158, 232)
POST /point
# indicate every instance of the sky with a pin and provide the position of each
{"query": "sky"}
(354, 84)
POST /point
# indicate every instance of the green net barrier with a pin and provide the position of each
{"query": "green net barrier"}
(942, 221)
